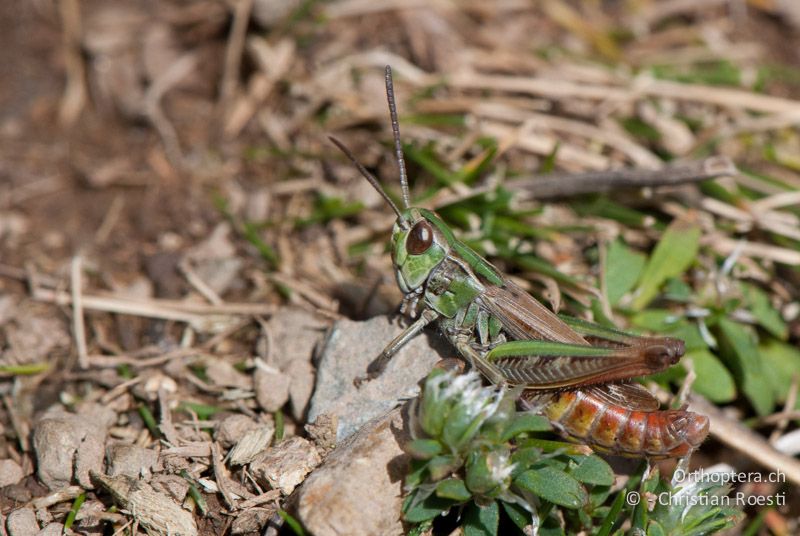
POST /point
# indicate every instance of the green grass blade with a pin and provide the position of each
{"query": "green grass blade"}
(674, 253)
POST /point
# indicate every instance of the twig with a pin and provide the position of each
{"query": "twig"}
(166, 426)
(221, 474)
(74, 97)
(62, 495)
(233, 51)
(567, 184)
(307, 291)
(152, 105)
(791, 400)
(154, 307)
(568, 154)
(20, 426)
(740, 438)
(780, 416)
(111, 361)
(197, 282)
(274, 63)
(78, 326)
(110, 219)
(642, 86)
(658, 11)
(270, 496)
(541, 121)
(724, 245)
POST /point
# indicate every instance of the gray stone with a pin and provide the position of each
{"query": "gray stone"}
(272, 388)
(358, 490)
(348, 351)
(231, 428)
(293, 335)
(10, 472)
(251, 445)
(130, 460)
(286, 465)
(69, 446)
(154, 511)
(224, 374)
(252, 520)
(22, 522)
(52, 529)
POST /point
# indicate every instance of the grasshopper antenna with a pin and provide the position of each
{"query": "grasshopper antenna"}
(370, 179)
(398, 147)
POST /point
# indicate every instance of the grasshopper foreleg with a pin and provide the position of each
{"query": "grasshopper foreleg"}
(379, 364)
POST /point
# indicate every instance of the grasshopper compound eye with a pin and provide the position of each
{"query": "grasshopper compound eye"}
(420, 238)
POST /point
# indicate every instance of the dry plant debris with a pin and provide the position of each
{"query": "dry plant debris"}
(190, 275)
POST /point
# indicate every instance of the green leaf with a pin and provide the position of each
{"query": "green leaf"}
(655, 529)
(622, 270)
(612, 517)
(553, 485)
(766, 315)
(203, 411)
(521, 517)
(673, 254)
(526, 456)
(453, 488)
(481, 520)
(665, 321)
(781, 364)
(73, 512)
(293, 524)
(597, 497)
(416, 473)
(739, 348)
(677, 290)
(592, 470)
(423, 449)
(431, 507)
(713, 380)
(421, 529)
(549, 162)
(548, 445)
(443, 465)
(526, 422)
(27, 369)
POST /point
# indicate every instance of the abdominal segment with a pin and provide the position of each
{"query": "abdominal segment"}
(615, 429)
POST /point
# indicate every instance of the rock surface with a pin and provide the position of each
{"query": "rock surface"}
(358, 490)
(154, 511)
(131, 460)
(68, 446)
(22, 522)
(10, 472)
(348, 351)
(286, 465)
(286, 373)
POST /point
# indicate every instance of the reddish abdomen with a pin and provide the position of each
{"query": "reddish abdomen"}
(615, 429)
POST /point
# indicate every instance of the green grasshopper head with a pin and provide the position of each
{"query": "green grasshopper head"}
(419, 243)
(418, 246)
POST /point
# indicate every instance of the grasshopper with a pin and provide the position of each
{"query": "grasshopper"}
(573, 371)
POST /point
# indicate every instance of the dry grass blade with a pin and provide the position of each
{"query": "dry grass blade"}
(748, 443)
(568, 184)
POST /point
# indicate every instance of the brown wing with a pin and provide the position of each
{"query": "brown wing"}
(570, 368)
(628, 395)
(525, 318)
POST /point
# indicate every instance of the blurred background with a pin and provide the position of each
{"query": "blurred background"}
(177, 150)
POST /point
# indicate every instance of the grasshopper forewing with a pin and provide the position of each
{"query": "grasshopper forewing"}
(569, 369)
